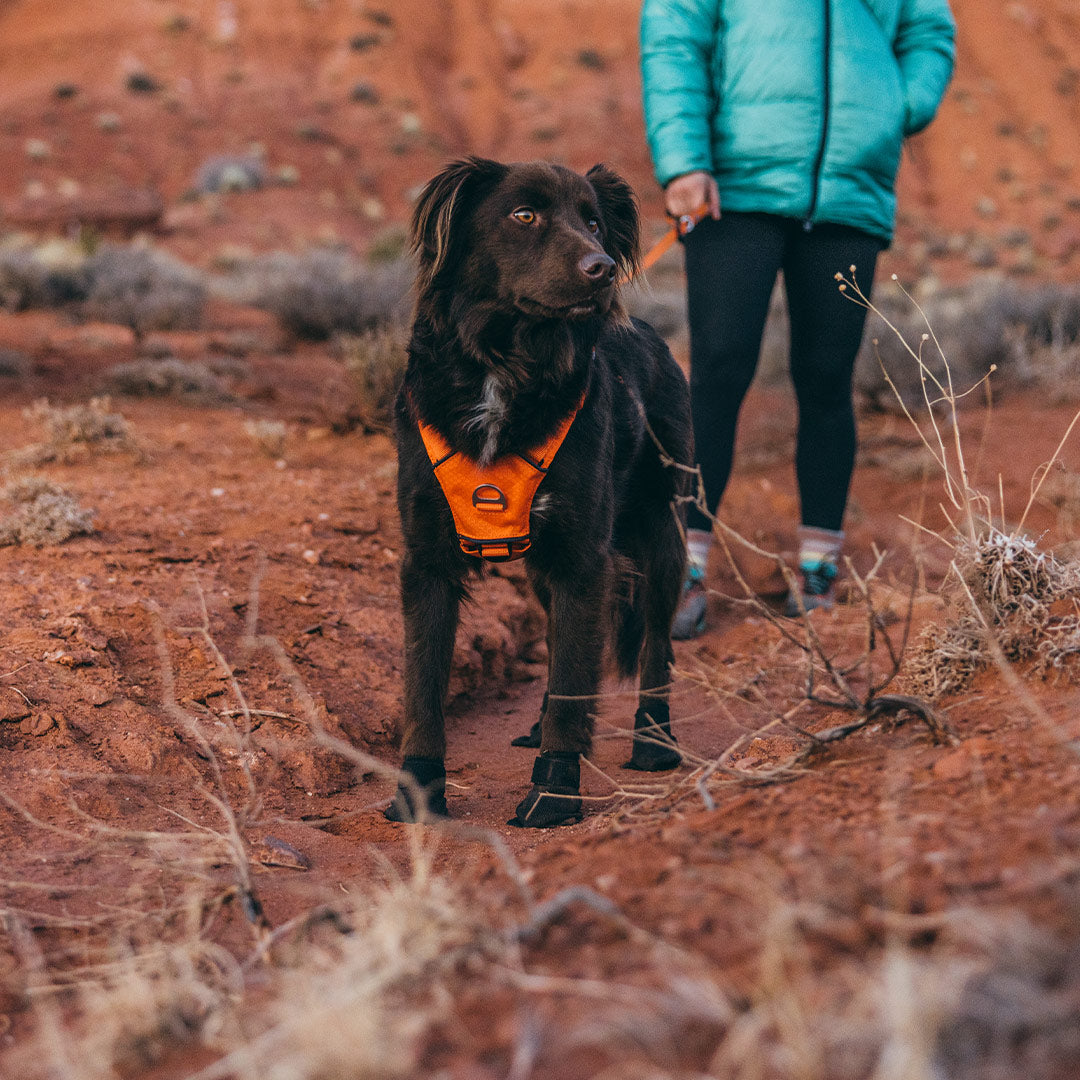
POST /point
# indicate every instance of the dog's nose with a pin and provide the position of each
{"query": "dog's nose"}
(597, 266)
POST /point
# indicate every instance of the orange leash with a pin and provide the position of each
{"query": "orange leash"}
(682, 225)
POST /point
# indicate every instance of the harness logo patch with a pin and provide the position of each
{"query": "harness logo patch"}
(489, 497)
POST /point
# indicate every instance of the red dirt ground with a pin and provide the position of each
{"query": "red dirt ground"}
(508, 78)
(196, 528)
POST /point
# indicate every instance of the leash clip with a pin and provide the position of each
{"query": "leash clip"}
(686, 223)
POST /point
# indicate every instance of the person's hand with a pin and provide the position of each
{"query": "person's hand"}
(687, 194)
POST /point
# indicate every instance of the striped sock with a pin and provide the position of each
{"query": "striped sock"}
(817, 546)
(698, 542)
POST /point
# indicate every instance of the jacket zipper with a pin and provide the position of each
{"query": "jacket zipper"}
(819, 159)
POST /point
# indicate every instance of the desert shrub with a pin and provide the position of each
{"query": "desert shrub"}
(1047, 356)
(322, 292)
(144, 289)
(142, 82)
(376, 364)
(364, 93)
(1005, 593)
(978, 325)
(74, 429)
(44, 513)
(166, 378)
(268, 435)
(47, 276)
(1007, 599)
(389, 246)
(235, 172)
(14, 364)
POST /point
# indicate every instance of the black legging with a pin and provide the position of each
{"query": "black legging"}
(731, 267)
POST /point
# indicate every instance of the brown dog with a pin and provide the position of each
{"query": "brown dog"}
(518, 325)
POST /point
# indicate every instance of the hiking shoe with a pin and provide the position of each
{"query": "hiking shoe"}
(689, 619)
(817, 589)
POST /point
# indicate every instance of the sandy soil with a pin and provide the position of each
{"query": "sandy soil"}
(115, 697)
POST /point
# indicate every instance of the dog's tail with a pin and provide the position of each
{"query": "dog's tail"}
(628, 611)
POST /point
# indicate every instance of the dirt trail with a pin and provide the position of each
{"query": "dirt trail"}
(195, 525)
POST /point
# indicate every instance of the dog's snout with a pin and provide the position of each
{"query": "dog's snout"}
(597, 267)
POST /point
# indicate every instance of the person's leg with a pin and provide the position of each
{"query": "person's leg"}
(826, 331)
(731, 267)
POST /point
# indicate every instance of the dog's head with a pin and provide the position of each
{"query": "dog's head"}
(535, 238)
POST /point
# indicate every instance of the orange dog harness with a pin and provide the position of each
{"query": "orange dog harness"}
(491, 503)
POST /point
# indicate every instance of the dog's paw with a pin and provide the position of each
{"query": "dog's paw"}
(655, 748)
(653, 757)
(404, 808)
(542, 809)
(554, 798)
(425, 797)
(532, 739)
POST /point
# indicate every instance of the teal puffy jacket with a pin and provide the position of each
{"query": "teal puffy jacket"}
(797, 107)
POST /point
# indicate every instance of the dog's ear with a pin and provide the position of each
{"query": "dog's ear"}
(618, 205)
(436, 217)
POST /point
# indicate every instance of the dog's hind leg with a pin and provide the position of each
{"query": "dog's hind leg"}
(654, 748)
(430, 605)
(577, 620)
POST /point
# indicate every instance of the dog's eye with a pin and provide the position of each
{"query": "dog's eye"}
(593, 225)
(524, 215)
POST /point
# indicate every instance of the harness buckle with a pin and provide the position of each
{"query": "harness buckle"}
(489, 498)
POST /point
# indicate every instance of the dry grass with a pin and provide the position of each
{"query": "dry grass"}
(268, 436)
(1048, 359)
(73, 431)
(1029, 334)
(353, 986)
(44, 513)
(1009, 600)
(367, 983)
(1005, 587)
(376, 363)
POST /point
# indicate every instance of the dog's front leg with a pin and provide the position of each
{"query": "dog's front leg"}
(577, 613)
(430, 603)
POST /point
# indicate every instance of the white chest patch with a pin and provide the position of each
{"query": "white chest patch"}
(489, 417)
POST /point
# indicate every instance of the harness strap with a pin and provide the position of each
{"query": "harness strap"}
(491, 503)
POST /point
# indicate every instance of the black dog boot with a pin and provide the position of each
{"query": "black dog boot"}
(429, 775)
(650, 754)
(555, 797)
(533, 738)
